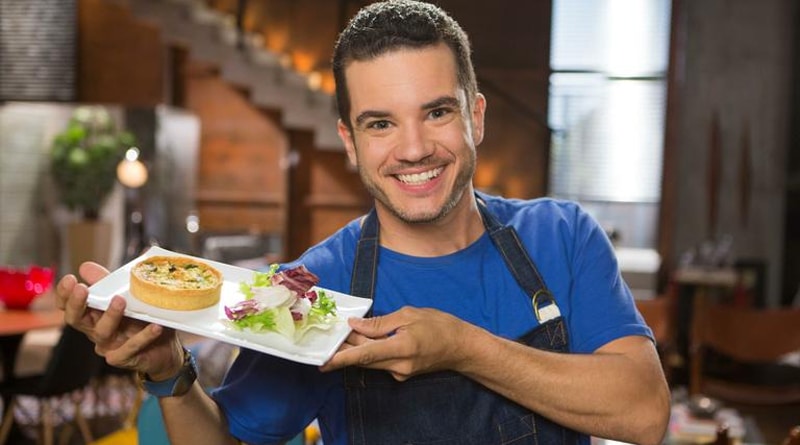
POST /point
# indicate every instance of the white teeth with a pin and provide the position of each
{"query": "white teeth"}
(419, 178)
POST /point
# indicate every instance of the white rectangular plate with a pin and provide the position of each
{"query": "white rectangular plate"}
(315, 348)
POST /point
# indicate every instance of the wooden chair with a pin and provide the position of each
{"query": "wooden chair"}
(754, 339)
(659, 314)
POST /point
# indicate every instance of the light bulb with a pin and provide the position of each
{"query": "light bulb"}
(132, 173)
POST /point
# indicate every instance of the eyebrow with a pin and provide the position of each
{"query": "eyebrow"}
(436, 103)
(371, 114)
(449, 101)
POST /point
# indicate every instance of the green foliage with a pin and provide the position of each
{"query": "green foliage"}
(84, 159)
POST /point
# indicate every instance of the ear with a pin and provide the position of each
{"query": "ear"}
(347, 138)
(478, 113)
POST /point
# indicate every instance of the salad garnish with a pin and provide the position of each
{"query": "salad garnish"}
(283, 302)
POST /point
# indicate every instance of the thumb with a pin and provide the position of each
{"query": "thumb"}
(92, 272)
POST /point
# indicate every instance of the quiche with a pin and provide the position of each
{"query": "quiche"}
(178, 283)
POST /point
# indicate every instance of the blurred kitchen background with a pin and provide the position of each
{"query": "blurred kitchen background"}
(676, 123)
(673, 122)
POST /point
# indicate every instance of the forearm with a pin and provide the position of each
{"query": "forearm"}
(618, 392)
(195, 419)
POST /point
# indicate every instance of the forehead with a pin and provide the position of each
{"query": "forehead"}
(407, 76)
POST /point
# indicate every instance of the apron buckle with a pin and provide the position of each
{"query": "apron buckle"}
(548, 311)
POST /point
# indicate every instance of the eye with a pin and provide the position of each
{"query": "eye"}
(378, 125)
(439, 113)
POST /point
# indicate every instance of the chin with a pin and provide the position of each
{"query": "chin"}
(422, 218)
(420, 214)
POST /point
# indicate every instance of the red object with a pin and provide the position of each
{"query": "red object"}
(19, 287)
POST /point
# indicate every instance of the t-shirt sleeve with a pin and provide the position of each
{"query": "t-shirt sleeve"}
(602, 306)
(268, 400)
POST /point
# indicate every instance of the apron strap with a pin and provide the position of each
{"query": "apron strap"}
(365, 267)
(520, 264)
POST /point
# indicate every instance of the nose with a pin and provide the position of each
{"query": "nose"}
(414, 144)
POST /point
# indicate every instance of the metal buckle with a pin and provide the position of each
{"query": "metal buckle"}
(548, 312)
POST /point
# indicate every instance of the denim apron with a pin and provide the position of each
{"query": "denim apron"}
(446, 408)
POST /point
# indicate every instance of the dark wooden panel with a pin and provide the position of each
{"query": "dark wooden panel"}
(248, 217)
(121, 60)
(324, 194)
(328, 220)
(299, 229)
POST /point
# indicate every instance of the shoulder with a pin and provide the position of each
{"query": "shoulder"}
(550, 227)
(539, 212)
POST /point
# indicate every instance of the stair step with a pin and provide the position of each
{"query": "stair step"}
(210, 37)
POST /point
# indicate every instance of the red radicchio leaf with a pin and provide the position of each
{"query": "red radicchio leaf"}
(241, 309)
(311, 295)
(298, 279)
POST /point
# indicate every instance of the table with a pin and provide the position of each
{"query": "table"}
(13, 326)
(725, 277)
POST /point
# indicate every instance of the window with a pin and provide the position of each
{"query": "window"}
(607, 104)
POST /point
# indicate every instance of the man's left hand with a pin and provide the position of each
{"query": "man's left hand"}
(405, 343)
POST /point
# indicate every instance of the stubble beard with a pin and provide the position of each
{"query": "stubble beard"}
(463, 179)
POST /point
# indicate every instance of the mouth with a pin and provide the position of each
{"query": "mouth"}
(419, 178)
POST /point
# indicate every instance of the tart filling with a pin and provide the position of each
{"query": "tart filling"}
(177, 283)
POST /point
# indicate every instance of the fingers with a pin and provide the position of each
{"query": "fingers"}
(71, 295)
(74, 303)
(357, 340)
(64, 290)
(106, 328)
(368, 353)
(405, 343)
(382, 326)
(92, 272)
(127, 354)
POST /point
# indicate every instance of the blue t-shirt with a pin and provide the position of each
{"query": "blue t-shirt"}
(267, 399)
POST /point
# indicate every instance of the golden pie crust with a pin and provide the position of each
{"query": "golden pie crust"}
(177, 283)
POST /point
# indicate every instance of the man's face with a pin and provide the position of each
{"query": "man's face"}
(413, 138)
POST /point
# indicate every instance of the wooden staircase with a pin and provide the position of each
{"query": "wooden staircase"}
(270, 160)
(211, 36)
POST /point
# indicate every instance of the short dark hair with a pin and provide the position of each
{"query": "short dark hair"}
(389, 25)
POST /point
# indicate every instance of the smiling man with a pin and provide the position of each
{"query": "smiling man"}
(413, 137)
(414, 133)
(494, 321)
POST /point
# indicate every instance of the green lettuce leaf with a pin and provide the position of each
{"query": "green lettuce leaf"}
(262, 321)
(260, 279)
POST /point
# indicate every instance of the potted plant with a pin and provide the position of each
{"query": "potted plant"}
(84, 157)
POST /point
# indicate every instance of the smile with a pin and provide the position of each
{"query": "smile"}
(419, 178)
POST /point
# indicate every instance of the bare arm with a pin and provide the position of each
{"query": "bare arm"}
(618, 392)
(193, 418)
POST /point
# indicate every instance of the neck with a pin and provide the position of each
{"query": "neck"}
(457, 230)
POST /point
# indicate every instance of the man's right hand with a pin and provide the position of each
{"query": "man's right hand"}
(124, 342)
